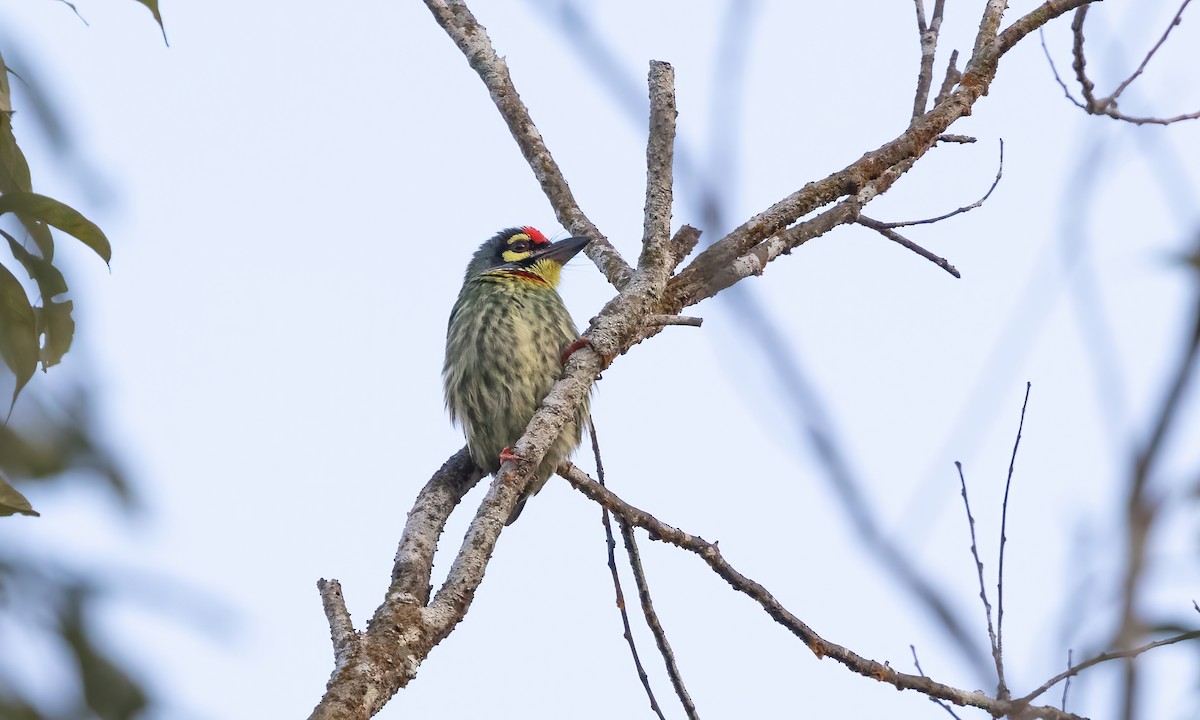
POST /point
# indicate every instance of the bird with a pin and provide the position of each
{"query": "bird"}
(507, 340)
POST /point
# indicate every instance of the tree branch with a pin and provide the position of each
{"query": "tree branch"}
(471, 37)
(928, 35)
(696, 281)
(820, 647)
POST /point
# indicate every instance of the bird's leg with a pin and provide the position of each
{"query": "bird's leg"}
(571, 349)
(579, 345)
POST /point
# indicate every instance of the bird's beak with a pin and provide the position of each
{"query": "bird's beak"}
(561, 251)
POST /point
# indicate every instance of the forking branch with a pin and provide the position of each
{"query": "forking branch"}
(374, 663)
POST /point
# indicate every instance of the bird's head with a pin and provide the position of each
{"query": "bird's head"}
(526, 252)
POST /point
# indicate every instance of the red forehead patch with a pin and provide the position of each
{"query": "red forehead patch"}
(535, 235)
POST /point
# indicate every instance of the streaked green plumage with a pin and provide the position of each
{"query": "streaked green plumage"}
(504, 344)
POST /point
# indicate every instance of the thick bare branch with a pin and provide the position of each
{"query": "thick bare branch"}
(357, 688)
(427, 519)
(657, 255)
(471, 37)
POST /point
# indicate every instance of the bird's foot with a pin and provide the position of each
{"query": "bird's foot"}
(507, 454)
(579, 344)
(571, 350)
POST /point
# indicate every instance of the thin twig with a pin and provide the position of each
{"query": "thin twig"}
(687, 320)
(698, 280)
(652, 621)
(960, 139)
(616, 578)
(711, 554)
(964, 208)
(885, 230)
(1146, 60)
(1102, 658)
(1067, 684)
(953, 76)
(1003, 541)
(928, 35)
(1108, 105)
(1054, 69)
(987, 605)
(937, 702)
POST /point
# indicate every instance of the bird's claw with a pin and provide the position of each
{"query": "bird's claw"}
(507, 454)
(579, 344)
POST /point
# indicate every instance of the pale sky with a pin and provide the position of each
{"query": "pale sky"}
(292, 191)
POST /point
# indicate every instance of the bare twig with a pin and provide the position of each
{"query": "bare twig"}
(1004, 541)
(939, 703)
(959, 139)
(1054, 69)
(885, 229)
(1079, 62)
(1067, 684)
(1108, 105)
(929, 38)
(341, 627)
(963, 209)
(701, 278)
(949, 81)
(471, 37)
(987, 605)
(652, 621)
(1146, 60)
(1102, 658)
(674, 320)
(820, 647)
(611, 545)
(684, 242)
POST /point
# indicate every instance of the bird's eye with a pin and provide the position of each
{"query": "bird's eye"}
(519, 246)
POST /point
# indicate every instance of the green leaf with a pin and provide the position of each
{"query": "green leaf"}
(5, 96)
(61, 216)
(18, 330)
(13, 502)
(153, 6)
(57, 327)
(49, 280)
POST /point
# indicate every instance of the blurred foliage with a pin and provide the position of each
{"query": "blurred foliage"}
(49, 437)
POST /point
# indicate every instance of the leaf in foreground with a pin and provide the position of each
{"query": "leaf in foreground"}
(13, 502)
